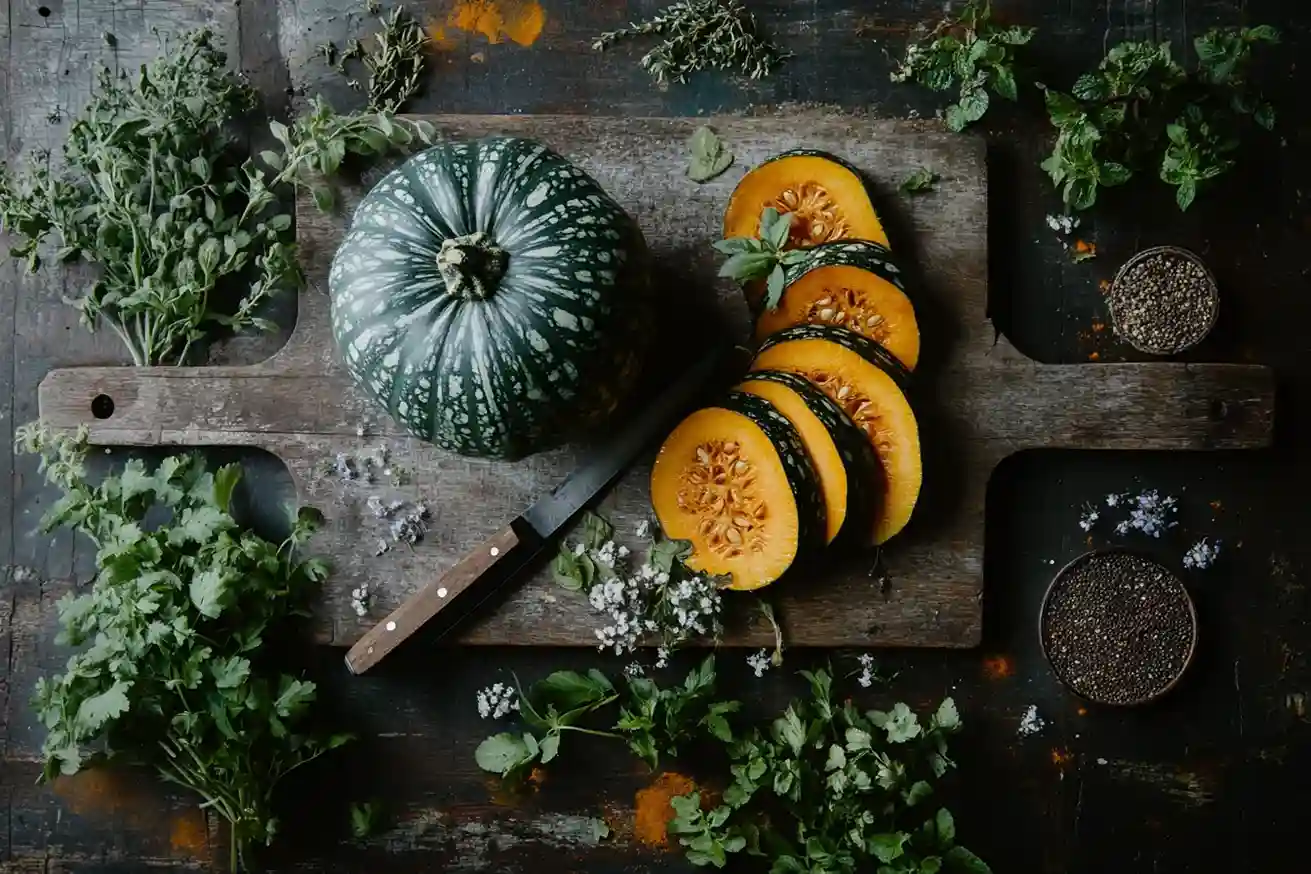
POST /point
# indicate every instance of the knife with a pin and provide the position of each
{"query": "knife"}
(450, 599)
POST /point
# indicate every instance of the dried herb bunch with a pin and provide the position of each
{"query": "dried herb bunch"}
(171, 670)
(968, 53)
(396, 62)
(153, 192)
(1141, 107)
(701, 35)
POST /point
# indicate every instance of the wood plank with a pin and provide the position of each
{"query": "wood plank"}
(979, 399)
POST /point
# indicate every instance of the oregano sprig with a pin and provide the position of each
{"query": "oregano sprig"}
(154, 192)
(764, 257)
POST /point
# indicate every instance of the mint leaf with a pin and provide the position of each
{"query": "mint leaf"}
(946, 826)
(888, 847)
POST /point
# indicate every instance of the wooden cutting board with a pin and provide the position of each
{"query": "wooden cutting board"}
(979, 399)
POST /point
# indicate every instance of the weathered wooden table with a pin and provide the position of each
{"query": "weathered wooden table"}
(1211, 779)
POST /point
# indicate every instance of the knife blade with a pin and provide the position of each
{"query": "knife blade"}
(443, 604)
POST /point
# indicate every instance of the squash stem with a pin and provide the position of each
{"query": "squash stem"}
(472, 265)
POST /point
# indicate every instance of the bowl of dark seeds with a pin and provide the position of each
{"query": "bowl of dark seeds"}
(1164, 301)
(1118, 628)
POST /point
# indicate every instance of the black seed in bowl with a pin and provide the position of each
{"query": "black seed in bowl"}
(1118, 628)
(1164, 300)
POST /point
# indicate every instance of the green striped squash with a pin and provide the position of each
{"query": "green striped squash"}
(492, 297)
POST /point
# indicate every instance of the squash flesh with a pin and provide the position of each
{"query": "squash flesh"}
(819, 444)
(876, 403)
(852, 298)
(718, 482)
(827, 201)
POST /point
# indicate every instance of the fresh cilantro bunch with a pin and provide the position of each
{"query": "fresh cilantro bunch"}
(171, 671)
(829, 790)
(765, 257)
(969, 54)
(1140, 108)
(551, 707)
(154, 193)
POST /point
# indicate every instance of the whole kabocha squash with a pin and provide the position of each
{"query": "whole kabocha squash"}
(492, 297)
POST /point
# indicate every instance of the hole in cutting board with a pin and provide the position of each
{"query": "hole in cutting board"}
(102, 406)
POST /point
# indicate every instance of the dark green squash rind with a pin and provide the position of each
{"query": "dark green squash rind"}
(863, 254)
(792, 455)
(866, 348)
(857, 453)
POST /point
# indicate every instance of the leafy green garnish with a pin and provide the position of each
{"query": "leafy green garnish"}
(702, 833)
(1140, 107)
(968, 53)
(710, 155)
(656, 720)
(153, 191)
(822, 789)
(920, 181)
(765, 257)
(365, 818)
(551, 706)
(171, 670)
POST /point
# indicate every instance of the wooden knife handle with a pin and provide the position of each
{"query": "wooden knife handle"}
(426, 603)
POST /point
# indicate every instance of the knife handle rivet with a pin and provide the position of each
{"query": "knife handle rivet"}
(391, 626)
(495, 550)
(441, 593)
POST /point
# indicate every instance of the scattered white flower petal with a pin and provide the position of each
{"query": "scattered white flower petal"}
(643, 528)
(759, 662)
(1089, 517)
(1202, 554)
(634, 670)
(1031, 723)
(866, 678)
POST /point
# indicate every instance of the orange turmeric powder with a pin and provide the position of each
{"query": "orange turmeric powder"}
(653, 810)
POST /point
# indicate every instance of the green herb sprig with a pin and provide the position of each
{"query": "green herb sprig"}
(764, 257)
(969, 54)
(921, 181)
(659, 721)
(396, 62)
(172, 671)
(551, 707)
(365, 817)
(154, 194)
(822, 789)
(701, 35)
(1141, 107)
(317, 143)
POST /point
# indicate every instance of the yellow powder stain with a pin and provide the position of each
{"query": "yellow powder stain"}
(188, 835)
(519, 21)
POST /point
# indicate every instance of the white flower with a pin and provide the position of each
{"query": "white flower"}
(622, 552)
(643, 528)
(1031, 723)
(662, 657)
(497, 701)
(866, 678)
(1112, 500)
(1202, 554)
(759, 662)
(1089, 517)
(634, 670)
